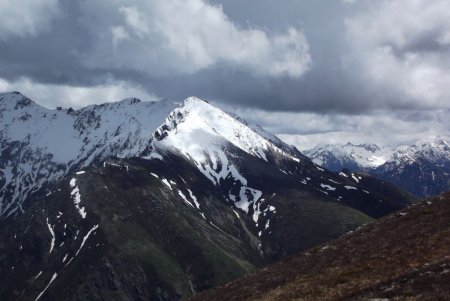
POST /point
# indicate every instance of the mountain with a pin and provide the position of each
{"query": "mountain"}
(155, 200)
(403, 256)
(39, 145)
(358, 157)
(422, 168)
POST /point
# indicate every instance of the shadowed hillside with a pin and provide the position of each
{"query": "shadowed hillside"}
(403, 256)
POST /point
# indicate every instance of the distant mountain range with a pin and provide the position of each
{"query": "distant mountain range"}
(422, 168)
(157, 201)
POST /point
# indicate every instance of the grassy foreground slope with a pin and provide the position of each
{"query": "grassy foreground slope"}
(403, 256)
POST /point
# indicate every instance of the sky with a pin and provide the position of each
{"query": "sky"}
(329, 71)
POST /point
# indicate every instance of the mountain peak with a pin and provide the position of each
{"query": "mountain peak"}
(14, 101)
(195, 103)
(11, 94)
(130, 101)
(439, 140)
(193, 99)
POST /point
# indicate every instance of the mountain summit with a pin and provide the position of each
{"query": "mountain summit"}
(41, 145)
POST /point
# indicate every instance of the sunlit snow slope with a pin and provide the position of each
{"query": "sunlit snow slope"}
(213, 130)
(38, 145)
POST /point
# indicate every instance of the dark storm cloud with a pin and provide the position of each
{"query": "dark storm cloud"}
(91, 42)
(389, 54)
(290, 56)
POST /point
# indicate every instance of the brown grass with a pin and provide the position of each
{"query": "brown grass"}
(400, 257)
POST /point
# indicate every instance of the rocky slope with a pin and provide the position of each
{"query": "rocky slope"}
(132, 230)
(135, 200)
(404, 256)
(422, 168)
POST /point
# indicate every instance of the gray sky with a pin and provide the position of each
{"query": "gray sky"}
(311, 71)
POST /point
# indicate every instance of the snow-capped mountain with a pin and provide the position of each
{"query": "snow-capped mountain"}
(422, 168)
(435, 150)
(135, 199)
(356, 157)
(212, 130)
(39, 145)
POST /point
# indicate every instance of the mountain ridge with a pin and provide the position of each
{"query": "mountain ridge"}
(61, 139)
(422, 168)
(98, 133)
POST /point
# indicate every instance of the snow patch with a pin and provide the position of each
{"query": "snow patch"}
(153, 155)
(85, 238)
(327, 187)
(376, 160)
(166, 183)
(194, 199)
(350, 187)
(197, 204)
(51, 280)
(267, 224)
(247, 196)
(185, 199)
(37, 276)
(257, 210)
(333, 181)
(52, 243)
(77, 198)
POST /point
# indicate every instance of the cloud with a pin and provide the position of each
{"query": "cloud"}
(163, 38)
(348, 1)
(404, 48)
(324, 57)
(50, 96)
(22, 18)
(306, 130)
